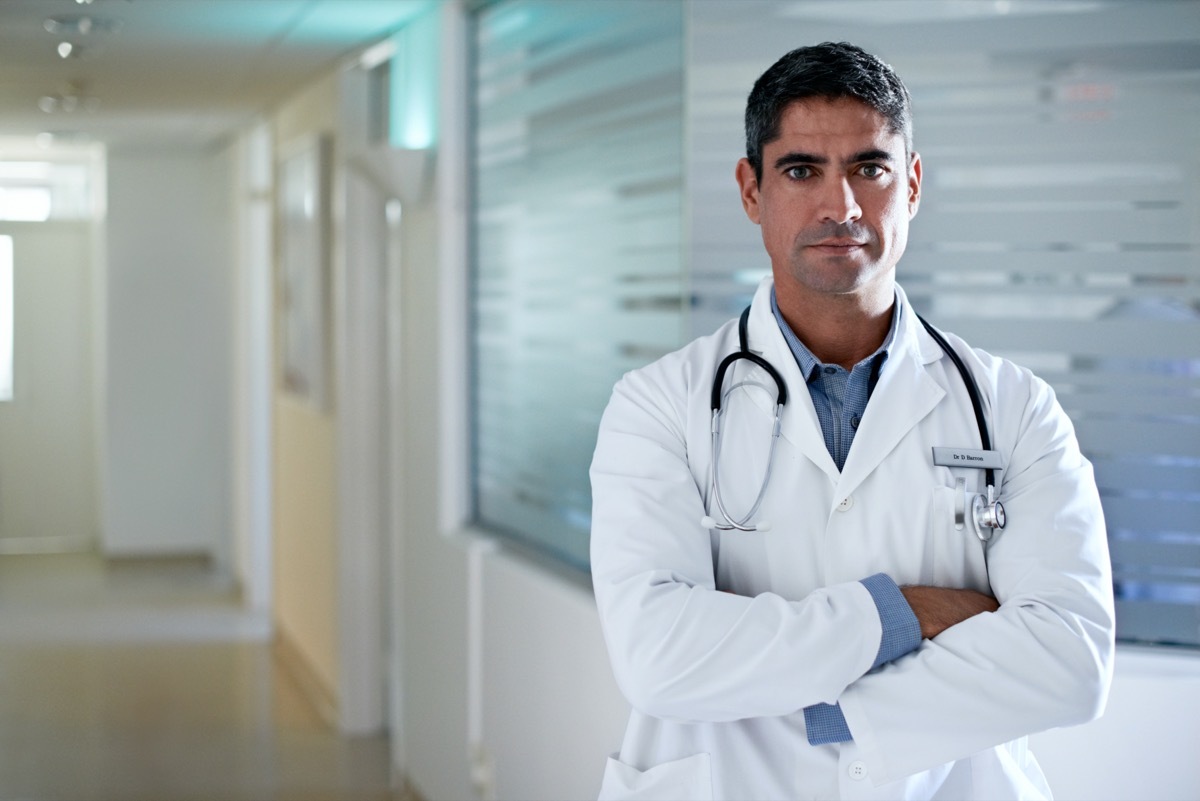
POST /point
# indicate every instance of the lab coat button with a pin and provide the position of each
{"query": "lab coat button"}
(858, 770)
(846, 504)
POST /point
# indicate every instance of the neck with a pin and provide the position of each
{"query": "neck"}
(840, 329)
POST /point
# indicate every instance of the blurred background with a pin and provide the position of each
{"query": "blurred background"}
(309, 310)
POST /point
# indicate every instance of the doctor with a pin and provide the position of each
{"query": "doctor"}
(862, 634)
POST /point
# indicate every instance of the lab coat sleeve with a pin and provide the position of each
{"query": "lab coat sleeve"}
(1044, 659)
(680, 649)
(825, 723)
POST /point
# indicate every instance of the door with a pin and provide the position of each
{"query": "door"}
(48, 466)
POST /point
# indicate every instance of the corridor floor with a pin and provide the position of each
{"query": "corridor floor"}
(133, 680)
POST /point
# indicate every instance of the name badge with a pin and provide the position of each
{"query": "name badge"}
(967, 457)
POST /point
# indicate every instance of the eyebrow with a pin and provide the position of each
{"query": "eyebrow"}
(794, 158)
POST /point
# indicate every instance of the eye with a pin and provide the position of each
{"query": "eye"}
(872, 170)
(798, 172)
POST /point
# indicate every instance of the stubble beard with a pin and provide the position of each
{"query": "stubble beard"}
(831, 274)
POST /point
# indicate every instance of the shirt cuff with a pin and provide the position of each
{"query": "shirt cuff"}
(825, 724)
(901, 629)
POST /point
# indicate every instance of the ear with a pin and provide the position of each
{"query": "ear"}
(748, 186)
(914, 184)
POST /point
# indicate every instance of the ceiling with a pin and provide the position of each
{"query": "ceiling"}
(178, 73)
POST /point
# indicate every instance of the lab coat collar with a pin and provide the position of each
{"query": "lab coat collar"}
(904, 395)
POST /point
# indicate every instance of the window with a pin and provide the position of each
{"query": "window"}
(577, 238)
(59, 186)
(25, 203)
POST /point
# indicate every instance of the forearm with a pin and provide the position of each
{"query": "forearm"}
(939, 608)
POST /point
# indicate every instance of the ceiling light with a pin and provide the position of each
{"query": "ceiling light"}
(377, 54)
(80, 25)
(64, 49)
(886, 12)
(68, 102)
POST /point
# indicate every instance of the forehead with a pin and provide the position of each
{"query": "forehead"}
(831, 126)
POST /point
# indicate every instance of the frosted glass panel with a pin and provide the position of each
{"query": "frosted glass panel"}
(1060, 226)
(577, 237)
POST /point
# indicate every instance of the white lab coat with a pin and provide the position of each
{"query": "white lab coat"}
(720, 639)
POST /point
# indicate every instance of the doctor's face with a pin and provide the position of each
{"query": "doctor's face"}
(836, 195)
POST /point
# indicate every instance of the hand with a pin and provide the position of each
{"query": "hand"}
(939, 608)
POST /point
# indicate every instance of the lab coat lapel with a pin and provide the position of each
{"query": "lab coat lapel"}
(904, 395)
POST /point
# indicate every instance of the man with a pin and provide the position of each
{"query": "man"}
(824, 617)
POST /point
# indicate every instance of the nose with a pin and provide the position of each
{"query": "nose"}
(838, 203)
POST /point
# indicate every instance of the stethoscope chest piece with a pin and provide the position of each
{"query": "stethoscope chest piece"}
(988, 514)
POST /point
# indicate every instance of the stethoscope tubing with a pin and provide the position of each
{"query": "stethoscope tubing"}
(994, 511)
(972, 391)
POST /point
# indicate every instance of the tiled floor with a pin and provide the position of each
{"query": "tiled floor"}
(129, 681)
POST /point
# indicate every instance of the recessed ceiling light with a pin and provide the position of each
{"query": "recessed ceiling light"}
(80, 25)
(68, 103)
(65, 49)
(886, 12)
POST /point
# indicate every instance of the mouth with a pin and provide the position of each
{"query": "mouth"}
(837, 246)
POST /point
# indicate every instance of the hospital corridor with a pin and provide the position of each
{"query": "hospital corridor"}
(321, 478)
(144, 679)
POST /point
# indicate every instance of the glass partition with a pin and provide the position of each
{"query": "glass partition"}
(577, 237)
(1059, 226)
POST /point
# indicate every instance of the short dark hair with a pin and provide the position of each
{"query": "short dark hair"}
(831, 70)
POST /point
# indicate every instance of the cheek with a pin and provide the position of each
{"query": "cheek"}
(775, 228)
(893, 219)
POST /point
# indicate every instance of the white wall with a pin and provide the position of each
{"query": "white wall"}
(1144, 747)
(551, 709)
(305, 547)
(430, 603)
(168, 351)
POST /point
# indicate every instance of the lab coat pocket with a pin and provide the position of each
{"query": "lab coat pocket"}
(959, 555)
(681, 780)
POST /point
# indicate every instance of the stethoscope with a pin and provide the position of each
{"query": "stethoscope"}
(988, 515)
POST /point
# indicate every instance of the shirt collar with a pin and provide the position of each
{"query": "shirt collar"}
(809, 365)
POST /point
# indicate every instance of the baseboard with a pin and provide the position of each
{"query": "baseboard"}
(312, 686)
(46, 544)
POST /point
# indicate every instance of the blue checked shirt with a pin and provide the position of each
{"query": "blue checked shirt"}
(840, 398)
